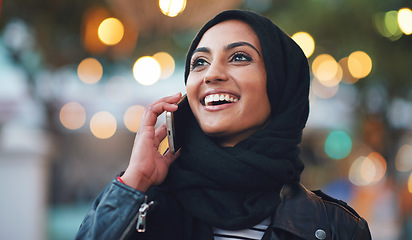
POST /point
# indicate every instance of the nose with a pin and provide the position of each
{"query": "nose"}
(216, 72)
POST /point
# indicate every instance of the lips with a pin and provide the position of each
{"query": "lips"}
(218, 99)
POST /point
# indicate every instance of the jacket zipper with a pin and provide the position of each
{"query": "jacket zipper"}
(140, 218)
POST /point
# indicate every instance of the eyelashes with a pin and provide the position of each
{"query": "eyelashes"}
(240, 58)
(197, 62)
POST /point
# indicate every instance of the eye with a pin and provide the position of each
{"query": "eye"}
(198, 62)
(241, 57)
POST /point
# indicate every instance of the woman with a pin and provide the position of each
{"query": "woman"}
(238, 172)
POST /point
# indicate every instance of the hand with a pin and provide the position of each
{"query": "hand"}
(147, 166)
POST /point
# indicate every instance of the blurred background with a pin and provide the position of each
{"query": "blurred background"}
(76, 75)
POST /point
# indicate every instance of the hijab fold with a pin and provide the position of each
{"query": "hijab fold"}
(238, 187)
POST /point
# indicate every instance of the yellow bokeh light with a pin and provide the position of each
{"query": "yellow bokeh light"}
(111, 31)
(72, 115)
(167, 64)
(146, 70)
(90, 71)
(327, 70)
(132, 117)
(172, 8)
(359, 64)
(103, 125)
(405, 20)
(403, 160)
(306, 42)
(335, 80)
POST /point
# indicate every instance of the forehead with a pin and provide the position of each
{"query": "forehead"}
(228, 32)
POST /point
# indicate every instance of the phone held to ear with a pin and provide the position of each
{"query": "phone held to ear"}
(175, 122)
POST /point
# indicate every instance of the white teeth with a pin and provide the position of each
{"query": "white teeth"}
(209, 99)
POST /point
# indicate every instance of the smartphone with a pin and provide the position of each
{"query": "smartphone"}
(176, 122)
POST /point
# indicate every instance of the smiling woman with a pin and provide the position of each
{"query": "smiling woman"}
(238, 171)
(227, 64)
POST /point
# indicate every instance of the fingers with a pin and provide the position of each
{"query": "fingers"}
(169, 157)
(152, 111)
(170, 99)
(161, 131)
(160, 134)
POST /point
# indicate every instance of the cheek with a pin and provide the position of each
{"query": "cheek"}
(258, 95)
(192, 95)
(193, 82)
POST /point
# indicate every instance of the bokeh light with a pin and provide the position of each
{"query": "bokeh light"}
(338, 145)
(172, 8)
(387, 25)
(367, 170)
(306, 42)
(72, 115)
(90, 71)
(103, 125)
(380, 166)
(111, 31)
(327, 70)
(132, 117)
(167, 64)
(405, 20)
(359, 64)
(403, 160)
(362, 171)
(146, 70)
(391, 22)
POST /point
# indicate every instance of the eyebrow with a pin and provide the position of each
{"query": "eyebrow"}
(201, 49)
(238, 44)
(227, 48)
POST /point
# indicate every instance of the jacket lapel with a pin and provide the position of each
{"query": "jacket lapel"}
(302, 213)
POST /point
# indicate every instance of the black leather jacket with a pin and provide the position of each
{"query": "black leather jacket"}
(302, 214)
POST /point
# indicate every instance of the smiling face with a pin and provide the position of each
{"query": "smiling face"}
(226, 86)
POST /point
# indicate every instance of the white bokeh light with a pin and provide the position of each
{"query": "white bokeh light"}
(146, 71)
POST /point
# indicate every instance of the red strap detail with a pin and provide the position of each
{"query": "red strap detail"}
(120, 179)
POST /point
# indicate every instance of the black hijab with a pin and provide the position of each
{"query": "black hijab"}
(238, 187)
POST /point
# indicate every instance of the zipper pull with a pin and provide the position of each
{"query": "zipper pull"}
(141, 220)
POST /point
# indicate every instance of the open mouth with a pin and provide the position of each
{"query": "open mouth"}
(219, 99)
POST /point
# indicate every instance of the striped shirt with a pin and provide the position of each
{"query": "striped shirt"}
(254, 233)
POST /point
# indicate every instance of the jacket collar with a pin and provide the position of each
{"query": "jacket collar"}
(301, 213)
